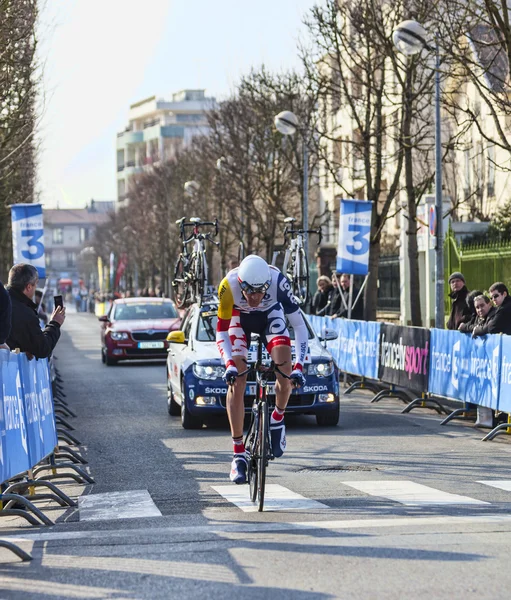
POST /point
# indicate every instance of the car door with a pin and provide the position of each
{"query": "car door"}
(177, 354)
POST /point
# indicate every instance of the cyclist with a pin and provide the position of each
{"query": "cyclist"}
(253, 298)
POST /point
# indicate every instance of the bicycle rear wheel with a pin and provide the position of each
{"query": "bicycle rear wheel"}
(197, 283)
(179, 284)
(301, 277)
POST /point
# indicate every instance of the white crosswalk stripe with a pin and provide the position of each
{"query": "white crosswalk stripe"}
(410, 493)
(276, 497)
(501, 484)
(117, 505)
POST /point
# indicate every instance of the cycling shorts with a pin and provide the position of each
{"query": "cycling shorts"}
(270, 324)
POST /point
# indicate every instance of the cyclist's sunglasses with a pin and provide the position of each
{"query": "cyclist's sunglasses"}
(249, 289)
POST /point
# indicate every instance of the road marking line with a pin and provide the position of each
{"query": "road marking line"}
(410, 493)
(276, 497)
(501, 484)
(153, 533)
(132, 504)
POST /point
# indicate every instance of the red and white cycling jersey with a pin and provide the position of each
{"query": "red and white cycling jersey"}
(237, 320)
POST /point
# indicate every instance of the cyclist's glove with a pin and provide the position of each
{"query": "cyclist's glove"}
(297, 378)
(231, 372)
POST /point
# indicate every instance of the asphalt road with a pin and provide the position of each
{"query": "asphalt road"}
(389, 505)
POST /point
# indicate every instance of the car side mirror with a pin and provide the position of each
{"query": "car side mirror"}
(328, 334)
(103, 319)
(176, 337)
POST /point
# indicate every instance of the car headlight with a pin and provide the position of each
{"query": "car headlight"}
(323, 369)
(119, 335)
(208, 371)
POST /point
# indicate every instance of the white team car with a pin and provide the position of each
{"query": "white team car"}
(197, 391)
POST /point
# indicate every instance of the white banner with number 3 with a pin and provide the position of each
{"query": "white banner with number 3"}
(354, 237)
(28, 236)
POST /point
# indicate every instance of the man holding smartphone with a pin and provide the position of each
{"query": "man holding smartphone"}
(26, 333)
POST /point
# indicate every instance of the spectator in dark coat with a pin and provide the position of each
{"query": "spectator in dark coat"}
(485, 314)
(26, 333)
(5, 316)
(469, 325)
(501, 322)
(321, 299)
(460, 312)
(341, 298)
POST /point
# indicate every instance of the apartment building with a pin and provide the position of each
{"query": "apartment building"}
(157, 129)
(67, 232)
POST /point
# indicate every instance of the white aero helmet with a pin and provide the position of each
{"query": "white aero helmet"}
(254, 275)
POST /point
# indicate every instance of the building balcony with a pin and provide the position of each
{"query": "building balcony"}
(124, 138)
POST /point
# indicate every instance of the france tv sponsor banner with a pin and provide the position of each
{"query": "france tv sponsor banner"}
(28, 236)
(465, 368)
(404, 356)
(354, 237)
(41, 432)
(505, 375)
(358, 347)
(14, 454)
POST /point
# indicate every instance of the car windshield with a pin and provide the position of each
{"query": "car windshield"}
(206, 330)
(152, 310)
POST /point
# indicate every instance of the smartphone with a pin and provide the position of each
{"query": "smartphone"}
(57, 300)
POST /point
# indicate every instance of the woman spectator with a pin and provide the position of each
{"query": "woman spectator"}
(322, 296)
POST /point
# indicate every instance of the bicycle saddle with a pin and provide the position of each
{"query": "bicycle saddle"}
(195, 220)
(289, 220)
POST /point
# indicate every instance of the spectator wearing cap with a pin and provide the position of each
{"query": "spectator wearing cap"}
(501, 321)
(460, 312)
(5, 316)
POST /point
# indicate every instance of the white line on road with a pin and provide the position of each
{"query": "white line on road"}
(499, 520)
(276, 497)
(117, 505)
(410, 493)
(501, 484)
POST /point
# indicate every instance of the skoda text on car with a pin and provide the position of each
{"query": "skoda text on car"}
(137, 328)
(197, 391)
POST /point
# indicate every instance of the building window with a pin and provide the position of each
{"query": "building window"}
(84, 234)
(58, 235)
(71, 259)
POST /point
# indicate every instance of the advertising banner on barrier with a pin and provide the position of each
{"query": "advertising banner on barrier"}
(505, 374)
(465, 368)
(358, 347)
(28, 236)
(404, 356)
(354, 237)
(41, 432)
(14, 456)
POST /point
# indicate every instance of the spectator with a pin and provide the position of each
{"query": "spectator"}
(341, 298)
(485, 313)
(26, 333)
(501, 321)
(5, 316)
(321, 299)
(469, 325)
(460, 312)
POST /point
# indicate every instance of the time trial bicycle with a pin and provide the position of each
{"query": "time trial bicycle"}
(296, 264)
(257, 439)
(191, 272)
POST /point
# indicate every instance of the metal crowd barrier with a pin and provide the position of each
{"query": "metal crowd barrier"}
(33, 413)
(434, 365)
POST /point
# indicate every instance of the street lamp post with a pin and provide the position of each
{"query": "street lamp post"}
(286, 123)
(409, 37)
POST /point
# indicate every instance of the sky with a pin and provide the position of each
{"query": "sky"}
(99, 56)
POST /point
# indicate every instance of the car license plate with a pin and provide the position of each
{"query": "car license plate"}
(150, 345)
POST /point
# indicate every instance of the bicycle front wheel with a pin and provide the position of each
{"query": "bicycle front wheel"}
(262, 437)
(179, 284)
(301, 277)
(251, 443)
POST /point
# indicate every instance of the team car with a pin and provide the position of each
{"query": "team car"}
(197, 392)
(137, 328)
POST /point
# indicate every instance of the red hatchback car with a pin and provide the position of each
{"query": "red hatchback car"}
(137, 328)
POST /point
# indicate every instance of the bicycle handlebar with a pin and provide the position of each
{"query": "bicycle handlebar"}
(183, 224)
(292, 232)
